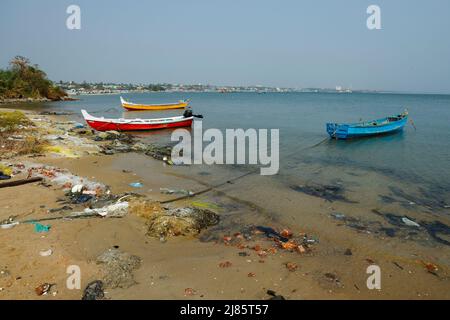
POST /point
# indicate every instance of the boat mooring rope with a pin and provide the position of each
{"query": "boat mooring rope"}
(210, 188)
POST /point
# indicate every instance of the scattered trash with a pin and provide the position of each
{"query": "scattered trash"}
(348, 252)
(78, 125)
(78, 198)
(55, 113)
(225, 264)
(189, 292)
(286, 233)
(431, 267)
(119, 209)
(46, 253)
(43, 289)
(274, 295)
(78, 188)
(289, 245)
(291, 266)
(251, 275)
(94, 291)
(4, 176)
(301, 249)
(90, 192)
(8, 223)
(410, 223)
(136, 185)
(4, 273)
(39, 228)
(176, 191)
(271, 233)
(331, 277)
(338, 216)
(118, 267)
(19, 182)
(63, 208)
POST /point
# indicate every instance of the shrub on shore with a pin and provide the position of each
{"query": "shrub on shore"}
(10, 121)
(23, 80)
(16, 136)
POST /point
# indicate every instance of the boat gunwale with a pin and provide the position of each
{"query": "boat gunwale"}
(180, 102)
(89, 117)
(369, 124)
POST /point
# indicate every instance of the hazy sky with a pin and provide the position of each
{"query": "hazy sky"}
(298, 43)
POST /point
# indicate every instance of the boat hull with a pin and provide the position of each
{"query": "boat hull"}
(103, 124)
(168, 106)
(134, 107)
(349, 131)
(107, 126)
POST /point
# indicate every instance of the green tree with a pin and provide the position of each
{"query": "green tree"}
(24, 80)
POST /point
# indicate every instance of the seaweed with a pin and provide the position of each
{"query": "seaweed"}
(435, 228)
(328, 192)
(431, 199)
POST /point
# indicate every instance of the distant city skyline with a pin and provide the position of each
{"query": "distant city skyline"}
(286, 44)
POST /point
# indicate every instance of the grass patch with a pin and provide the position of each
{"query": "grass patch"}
(11, 123)
(12, 120)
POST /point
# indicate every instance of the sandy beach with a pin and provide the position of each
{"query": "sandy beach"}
(236, 258)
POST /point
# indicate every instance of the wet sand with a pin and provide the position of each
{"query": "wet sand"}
(169, 268)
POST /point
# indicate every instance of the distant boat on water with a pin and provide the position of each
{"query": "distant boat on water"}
(167, 106)
(368, 128)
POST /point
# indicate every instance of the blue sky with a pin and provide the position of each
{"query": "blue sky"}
(289, 43)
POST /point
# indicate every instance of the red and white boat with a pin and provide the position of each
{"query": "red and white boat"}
(105, 124)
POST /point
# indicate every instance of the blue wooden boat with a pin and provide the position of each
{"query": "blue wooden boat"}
(368, 128)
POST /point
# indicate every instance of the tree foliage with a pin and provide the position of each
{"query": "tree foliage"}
(25, 80)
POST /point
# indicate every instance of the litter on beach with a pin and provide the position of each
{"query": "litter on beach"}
(136, 185)
(46, 253)
(9, 225)
(118, 209)
(410, 223)
(40, 228)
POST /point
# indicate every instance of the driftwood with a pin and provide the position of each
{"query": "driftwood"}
(19, 182)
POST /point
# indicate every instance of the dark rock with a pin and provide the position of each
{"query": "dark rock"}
(94, 291)
(118, 267)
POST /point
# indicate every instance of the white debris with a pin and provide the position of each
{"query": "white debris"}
(118, 209)
(46, 253)
(410, 223)
(78, 188)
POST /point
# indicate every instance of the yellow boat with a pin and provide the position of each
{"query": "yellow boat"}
(135, 106)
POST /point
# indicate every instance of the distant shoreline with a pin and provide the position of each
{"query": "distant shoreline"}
(34, 100)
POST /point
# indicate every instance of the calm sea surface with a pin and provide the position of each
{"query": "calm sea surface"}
(418, 157)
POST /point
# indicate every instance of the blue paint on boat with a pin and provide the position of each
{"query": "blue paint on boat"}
(368, 128)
